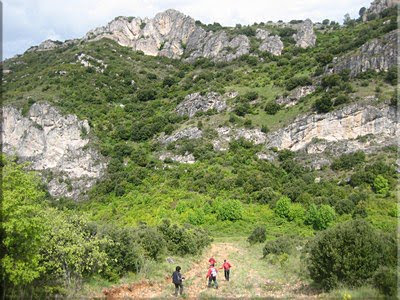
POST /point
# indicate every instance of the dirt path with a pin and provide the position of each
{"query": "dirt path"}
(248, 279)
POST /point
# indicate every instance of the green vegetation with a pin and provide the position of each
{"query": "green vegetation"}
(144, 209)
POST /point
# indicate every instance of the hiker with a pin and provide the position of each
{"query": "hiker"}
(226, 266)
(177, 280)
(212, 276)
(212, 261)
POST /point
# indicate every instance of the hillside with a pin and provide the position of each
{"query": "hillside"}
(288, 127)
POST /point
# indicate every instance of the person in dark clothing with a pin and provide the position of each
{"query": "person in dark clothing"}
(227, 269)
(177, 279)
(212, 276)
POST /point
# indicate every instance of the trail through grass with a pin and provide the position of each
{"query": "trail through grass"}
(251, 277)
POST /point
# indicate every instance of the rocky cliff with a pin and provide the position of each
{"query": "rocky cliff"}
(175, 35)
(348, 124)
(377, 54)
(378, 6)
(305, 36)
(54, 144)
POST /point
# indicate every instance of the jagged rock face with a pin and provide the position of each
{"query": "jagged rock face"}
(46, 45)
(196, 102)
(377, 54)
(171, 34)
(54, 144)
(187, 158)
(305, 36)
(190, 133)
(296, 95)
(346, 124)
(378, 6)
(271, 44)
(89, 61)
(228, 134)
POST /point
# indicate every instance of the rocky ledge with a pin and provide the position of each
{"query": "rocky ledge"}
(377, 54)
(54, 144)
(197, 102)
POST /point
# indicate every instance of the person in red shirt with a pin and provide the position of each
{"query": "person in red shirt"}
(226, 266)
(212, 276)
(212, 261)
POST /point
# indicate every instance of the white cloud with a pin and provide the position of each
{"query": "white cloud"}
(29, 22)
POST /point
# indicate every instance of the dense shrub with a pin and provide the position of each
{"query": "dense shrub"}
(282, 207)
(231, 210)
(323, 104)
(385, 280)
(258, 235)
(283, 244)
(296, 81)
(250, 96)
(146, 95)
(320, 217)
(348, 254)
(272, 108)
(348, 161)
(381, 185)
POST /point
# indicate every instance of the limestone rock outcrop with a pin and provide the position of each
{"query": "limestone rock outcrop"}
(187, 158)
(295, 96)
(271, 44)
(45, 45)
(377, 54)
(348, 124)
(54, 144)
(378, 6)
(305, 36)
(197, 102)
(190, 133)
(171, 34)
(228, 134)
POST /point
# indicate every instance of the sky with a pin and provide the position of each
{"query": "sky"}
(29, 22)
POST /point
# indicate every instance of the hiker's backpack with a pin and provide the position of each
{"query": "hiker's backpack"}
(213, 272)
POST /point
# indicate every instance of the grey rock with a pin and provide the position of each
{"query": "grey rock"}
(45, 45)
(228, 134)
(187, 158)
(296, 95)
(190, 133)
(196, 102)
(53, 143)
(343, 127)
(378, 6)
(271, 44)
(377, 54)
(305, 36)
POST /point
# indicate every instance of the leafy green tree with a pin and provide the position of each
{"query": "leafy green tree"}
(381, 185)
(259, 235)
(282, 207)
(231, 210)
(320, 217)
(23, 224)
(337, 257)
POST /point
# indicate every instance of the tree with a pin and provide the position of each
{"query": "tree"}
(336, 256)
(381, 185)
(323, 105)
(361, 12)
(282, 207)
(23, 225)
(325, 22)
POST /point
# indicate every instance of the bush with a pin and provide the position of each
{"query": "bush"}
(381, 185)
(348, 161)
(385, 280)
(272, 108)
(323, 104)
(283, 244)
(341, 99)
(348, 254)
(331, 80)
(282, 207)
(250, 96)
(320, 217)
(146, 95)
(296, 81)
(231, 210)
(258, 235)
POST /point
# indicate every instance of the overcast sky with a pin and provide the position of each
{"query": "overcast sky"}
(29, 22)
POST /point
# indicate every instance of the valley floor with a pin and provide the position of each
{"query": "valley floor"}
(251, 277)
